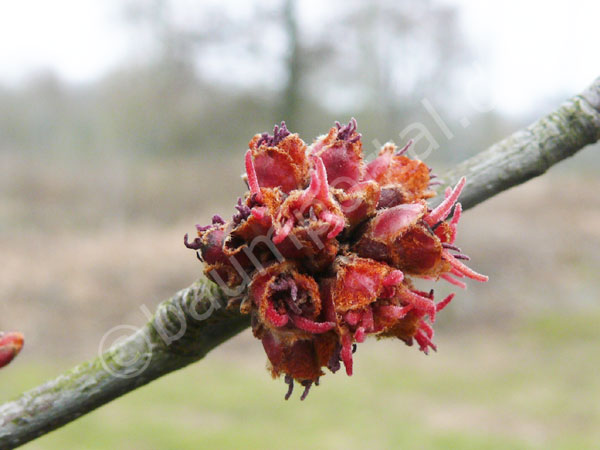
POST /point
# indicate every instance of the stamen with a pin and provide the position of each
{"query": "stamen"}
(346, 353)
(311, 326)
(457, 273)
(217, 220)
(252, 178)
(344, 132)
(283, 232)
(311, 192)
(359, 335)
(307, 384)
(290, 382)
(243, 212)
(454, 222)
(260, 212)
(424, 342)
(321, 173)
(279, 133)
(453, 281)
(426, 328)
(201, 228)
(456, 264)
(336, 222)
(278, 320)
(456, 216)
(394, 312)
(444, 208)
(367, 321)
(292, 305)
(394, 278)
(462, 256)
(441, 305)
(419, 302)
(352, 317)
(404, 149)
(451, 247)
(194, 245)
(334, 360)
(285, 284)
(293, 290)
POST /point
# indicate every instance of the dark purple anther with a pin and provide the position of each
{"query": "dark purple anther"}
(334, 362)
(293, 306)
(279, 134)
(285, 284)
(307, 384)
(404, 149)
(203, 228)
(217, 220)
(345, 132)
(461, 256)
(451, 247)
(242, 214)
(290, 382)
(293, 290)
(194, 245)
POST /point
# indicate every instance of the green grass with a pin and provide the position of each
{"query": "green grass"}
(533, 388)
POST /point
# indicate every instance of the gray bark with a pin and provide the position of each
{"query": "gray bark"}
(530, 152)
(184, 329)
(194, 321)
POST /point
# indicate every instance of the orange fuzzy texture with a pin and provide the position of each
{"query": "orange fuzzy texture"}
(329, 244)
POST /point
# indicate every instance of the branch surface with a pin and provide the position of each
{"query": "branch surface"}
(530, 152)
(194, 321)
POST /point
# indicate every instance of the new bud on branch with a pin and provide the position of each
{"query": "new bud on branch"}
(323, 247)
(11, 344)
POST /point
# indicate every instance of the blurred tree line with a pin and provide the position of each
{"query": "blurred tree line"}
(209, 75)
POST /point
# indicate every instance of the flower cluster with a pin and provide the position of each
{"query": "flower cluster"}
(322, 249)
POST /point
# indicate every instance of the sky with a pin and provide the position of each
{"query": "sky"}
(533, 50)
(79, 39)
(525, 51)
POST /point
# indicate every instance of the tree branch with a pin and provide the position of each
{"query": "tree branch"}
(194, 321)
(530, 152)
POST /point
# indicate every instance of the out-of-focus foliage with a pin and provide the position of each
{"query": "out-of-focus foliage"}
(211, 74)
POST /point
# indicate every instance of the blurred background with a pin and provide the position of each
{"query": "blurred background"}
(123, 124)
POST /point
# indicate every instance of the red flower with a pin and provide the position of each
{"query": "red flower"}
(323, 246)
(11, 344)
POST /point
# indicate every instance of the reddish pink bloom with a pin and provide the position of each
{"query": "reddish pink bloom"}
(11, 344)
(323, 247)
